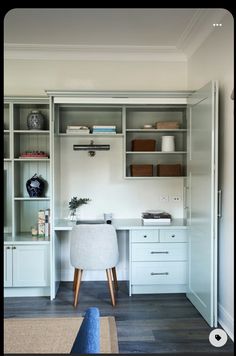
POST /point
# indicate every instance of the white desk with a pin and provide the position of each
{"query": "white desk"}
(156, 254)
(123, 224)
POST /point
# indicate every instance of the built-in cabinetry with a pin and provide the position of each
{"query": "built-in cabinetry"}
(129, 114)
(26, 257)
(158, 260)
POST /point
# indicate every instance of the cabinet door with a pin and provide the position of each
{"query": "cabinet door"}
(30, 266)
(7, 266)
(202, 221)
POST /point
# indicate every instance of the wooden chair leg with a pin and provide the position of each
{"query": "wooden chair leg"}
(115, 278)
(75, 278)
(109, 278)
(77, 286)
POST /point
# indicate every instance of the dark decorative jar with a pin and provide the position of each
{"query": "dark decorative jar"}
(35, 186)
(35, 120)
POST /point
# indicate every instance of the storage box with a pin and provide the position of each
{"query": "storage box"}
(169, 170)
(167, 125)
(141, 170)
(143, 145)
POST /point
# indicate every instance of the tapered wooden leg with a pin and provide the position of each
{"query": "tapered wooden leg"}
(115, 278)
(109, 278)
(75, 278)
(77, 286)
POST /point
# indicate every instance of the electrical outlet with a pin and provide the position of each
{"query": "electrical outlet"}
(164, 198)
(176, 198)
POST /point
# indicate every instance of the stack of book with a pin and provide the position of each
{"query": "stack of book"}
(44, 223)
(155, 217)
(77, 130)
(104, 129)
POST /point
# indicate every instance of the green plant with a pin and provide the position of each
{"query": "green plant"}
(75, 202)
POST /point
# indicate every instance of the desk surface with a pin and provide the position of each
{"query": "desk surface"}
(123, 224)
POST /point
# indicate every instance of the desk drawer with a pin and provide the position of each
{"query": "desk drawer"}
(159, 273)
(159, 252)
(145, 235)
(173, 235)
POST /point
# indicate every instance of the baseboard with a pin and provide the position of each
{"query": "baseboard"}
(226, 321)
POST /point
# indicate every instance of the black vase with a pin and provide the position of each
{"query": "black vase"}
(35, 186)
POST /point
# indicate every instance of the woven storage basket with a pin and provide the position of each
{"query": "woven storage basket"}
(143, 145)
(167, 125)
(169, 170)
(141, 170)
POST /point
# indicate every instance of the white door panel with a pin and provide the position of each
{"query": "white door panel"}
(202, 167)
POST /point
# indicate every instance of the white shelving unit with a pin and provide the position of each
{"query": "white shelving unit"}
(21, 211)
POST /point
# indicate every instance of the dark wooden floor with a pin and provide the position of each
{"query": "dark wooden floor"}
(154, 323)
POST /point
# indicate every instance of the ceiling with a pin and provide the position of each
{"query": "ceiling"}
(82, 31)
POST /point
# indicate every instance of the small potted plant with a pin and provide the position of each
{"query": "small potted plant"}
(75, 203)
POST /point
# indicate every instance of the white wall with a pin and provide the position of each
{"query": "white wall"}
(33, 77)
(215, 60)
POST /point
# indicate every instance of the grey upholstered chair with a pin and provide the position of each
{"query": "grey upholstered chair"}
(94, 247)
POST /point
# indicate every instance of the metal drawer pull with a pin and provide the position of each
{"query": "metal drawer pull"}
(145, 236)
(152, 252)
(8, 247)
(14, 247)
(159, 273)
(172, 235)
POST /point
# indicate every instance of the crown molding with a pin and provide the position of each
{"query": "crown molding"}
(199, 29)
(93, 53)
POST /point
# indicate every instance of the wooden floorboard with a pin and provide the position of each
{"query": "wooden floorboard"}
(154, 323)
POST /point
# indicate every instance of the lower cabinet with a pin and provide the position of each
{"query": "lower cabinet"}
(26, 265)
(158, 261)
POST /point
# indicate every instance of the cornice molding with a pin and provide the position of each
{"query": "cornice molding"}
(92, 53)
(198, 29)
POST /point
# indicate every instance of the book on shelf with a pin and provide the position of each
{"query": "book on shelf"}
(71, 127)
(77, 129)
(110, 129)
(44, 223)
(47, 223)
(104, 127)
(77, 132)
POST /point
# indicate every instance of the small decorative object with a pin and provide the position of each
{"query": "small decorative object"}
(34, 230)
(35, 120)
(147, 126)
(108, 218)
(168, 143)
(74, 204)
(35, 186)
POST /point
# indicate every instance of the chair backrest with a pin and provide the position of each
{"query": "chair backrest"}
(94, 246)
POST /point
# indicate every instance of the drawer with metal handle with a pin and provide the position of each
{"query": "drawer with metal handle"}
(143, 235)
(173, 235)
(158, 273)
(159, 252)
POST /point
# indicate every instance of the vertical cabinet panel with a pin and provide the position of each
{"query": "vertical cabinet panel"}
(202, 169)
(31, 266)
(7, 266)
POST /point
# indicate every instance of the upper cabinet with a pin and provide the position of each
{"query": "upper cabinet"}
(155, 141)
(153, 125)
